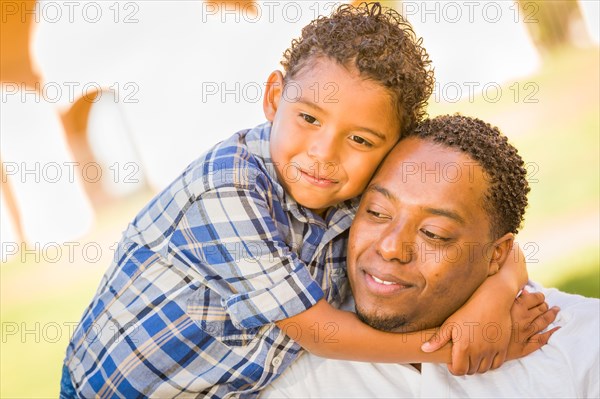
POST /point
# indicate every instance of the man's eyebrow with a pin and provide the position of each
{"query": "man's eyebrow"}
(311, 104)
(382, 190)
(434, 211)
(446, 213)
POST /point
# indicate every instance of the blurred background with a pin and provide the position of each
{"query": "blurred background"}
(105, 102)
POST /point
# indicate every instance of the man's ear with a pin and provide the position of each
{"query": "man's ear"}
(501, 248)
(273, 93)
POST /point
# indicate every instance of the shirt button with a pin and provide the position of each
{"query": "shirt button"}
(276, 361)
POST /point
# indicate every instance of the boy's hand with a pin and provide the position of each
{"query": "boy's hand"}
(530, 315)
(480, 346)
(480, 338)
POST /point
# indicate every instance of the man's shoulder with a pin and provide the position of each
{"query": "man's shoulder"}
(578, 318)
(576, 343)
(565, 367)
(570, 303)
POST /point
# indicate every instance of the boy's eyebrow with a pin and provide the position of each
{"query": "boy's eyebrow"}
(310, 103)
(318, 108)
(434, 211)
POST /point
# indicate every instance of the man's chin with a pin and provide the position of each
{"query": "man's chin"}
(383, 322)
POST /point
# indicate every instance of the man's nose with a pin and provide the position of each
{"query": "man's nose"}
(396, 244)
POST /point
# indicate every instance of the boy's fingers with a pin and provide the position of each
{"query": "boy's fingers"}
(530, 300)
(541, 308)
(535, 312)
(537, 298)
(544, 338)
(540, 322)
(459, 367)
(498, 360)
(544, 319)
(538, 340)
(460, 359)
(474, 365)
(550, 314)
(485, 365)
(437, 341)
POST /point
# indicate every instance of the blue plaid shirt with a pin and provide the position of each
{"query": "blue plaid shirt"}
(187, 307)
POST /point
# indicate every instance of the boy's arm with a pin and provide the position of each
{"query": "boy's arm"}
(336, 334)
(230, 237)
(328, 332)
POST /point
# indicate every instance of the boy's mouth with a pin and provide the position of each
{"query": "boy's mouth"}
(317, 181)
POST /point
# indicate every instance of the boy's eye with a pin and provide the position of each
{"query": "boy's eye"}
(310, 119)
(434, 236)
(361, 141)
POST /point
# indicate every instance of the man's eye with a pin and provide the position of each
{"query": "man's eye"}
(377, 215)
(310, 119)
(434, 236)
(361, 141)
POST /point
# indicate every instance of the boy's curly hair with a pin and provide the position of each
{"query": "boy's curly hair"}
(380, 44)
(506, 197)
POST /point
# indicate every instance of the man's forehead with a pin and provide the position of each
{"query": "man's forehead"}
(426, 167)
(432, 160)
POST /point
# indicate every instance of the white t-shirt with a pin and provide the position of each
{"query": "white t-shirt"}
(567, 367)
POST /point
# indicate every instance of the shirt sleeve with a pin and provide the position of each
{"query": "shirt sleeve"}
(229, 236)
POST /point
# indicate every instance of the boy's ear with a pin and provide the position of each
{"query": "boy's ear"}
(501, 249)
(273, 93)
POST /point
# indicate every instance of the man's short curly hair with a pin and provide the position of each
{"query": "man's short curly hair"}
(506, 198)
(380, 44)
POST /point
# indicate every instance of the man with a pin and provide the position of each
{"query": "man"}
(438, 218)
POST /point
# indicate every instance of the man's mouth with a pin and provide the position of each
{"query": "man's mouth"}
(377, 280)
(384, 285)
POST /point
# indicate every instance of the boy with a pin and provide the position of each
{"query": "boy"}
(253, 233)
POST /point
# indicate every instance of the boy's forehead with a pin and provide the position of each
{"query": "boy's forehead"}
(328, 85)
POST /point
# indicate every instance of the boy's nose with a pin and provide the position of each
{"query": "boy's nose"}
(323, 148)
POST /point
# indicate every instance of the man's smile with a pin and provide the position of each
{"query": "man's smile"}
(383, 284)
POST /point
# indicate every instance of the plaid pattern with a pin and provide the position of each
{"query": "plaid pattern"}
(187, 307)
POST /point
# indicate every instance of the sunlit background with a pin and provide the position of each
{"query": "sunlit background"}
(104, 103)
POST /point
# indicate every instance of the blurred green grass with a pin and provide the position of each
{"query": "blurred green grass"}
(35, 335)
(559, 133)
(584, 280)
